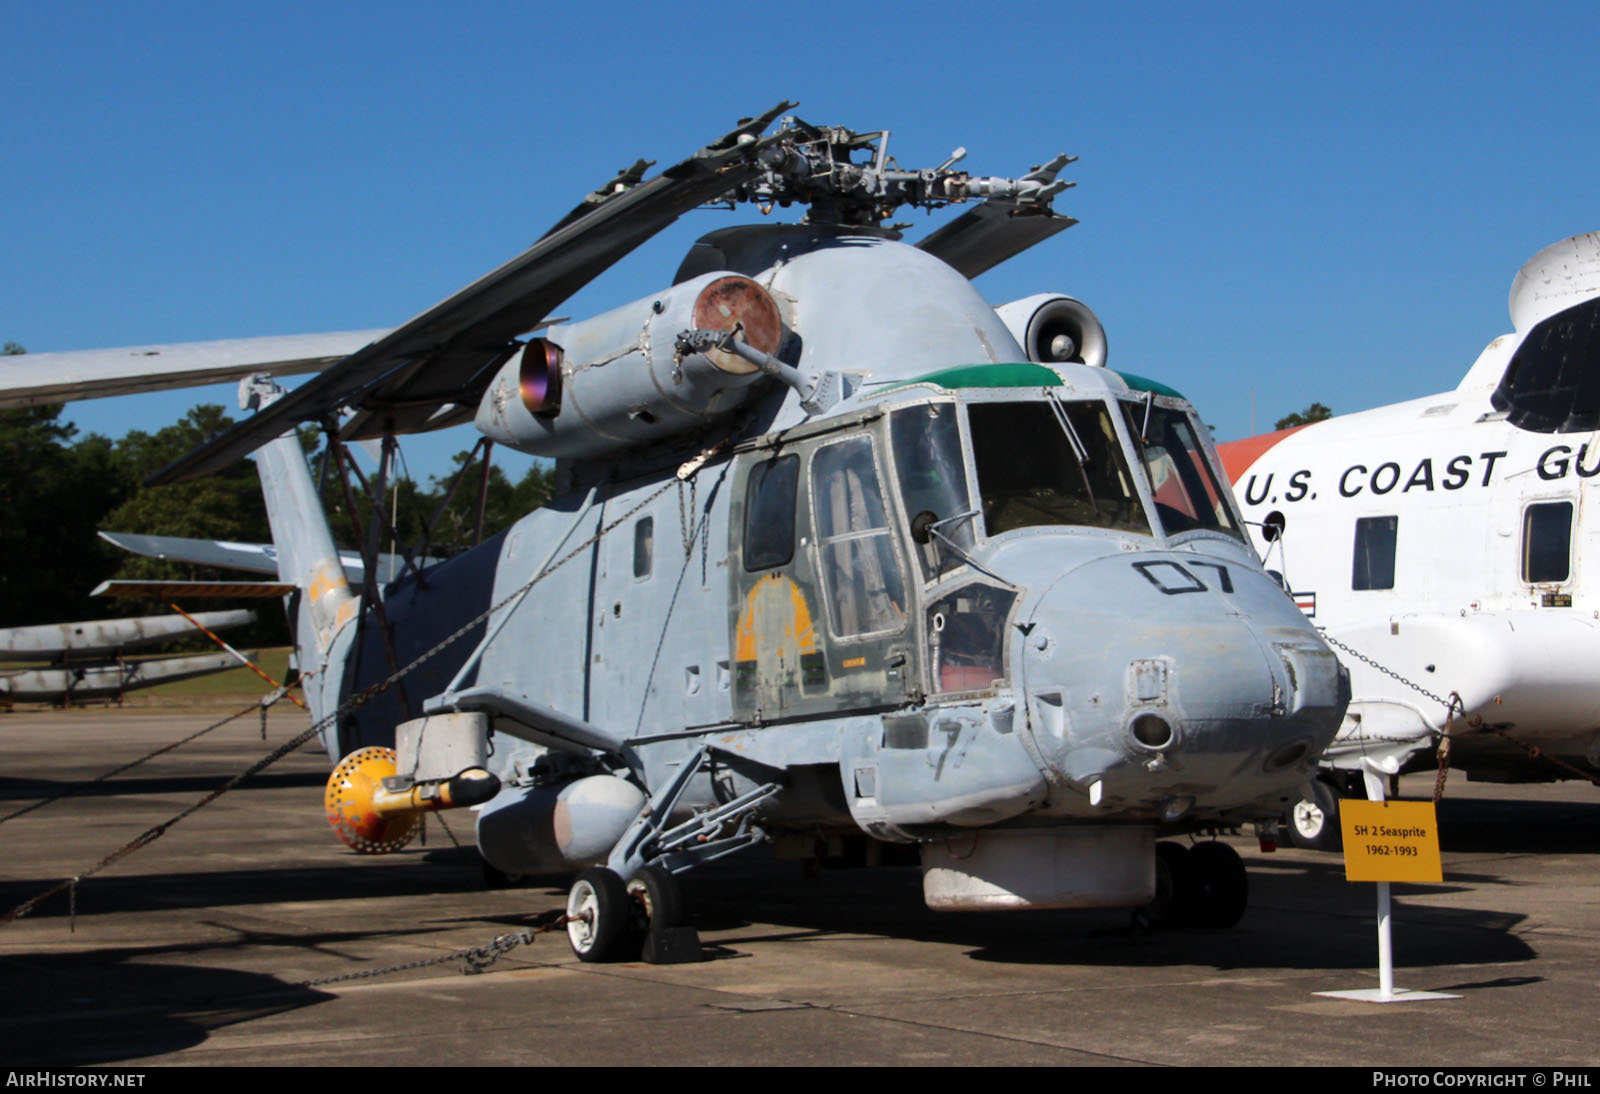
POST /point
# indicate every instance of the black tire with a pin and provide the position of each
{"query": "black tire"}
(1313, 821)
(1222, 890)
(499, 879)
(657, 898)
(599, 915)
(1173, 903)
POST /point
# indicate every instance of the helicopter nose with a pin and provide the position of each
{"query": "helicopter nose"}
(1160, 684)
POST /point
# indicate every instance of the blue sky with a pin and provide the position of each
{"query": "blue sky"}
(1293, 202)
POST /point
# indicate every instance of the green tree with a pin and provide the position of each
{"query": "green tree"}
(1316, 412)
(53, 493)
(505, 502)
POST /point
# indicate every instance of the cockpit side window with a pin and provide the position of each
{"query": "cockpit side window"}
(1552, 384)
(1186, 493)
(933, 479)
(1030, 471)
(864, 589)
(769, 511)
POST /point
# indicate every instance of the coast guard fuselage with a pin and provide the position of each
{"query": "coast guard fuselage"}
(1444, 540)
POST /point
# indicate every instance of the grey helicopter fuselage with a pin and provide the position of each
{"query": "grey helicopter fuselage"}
(972, 594)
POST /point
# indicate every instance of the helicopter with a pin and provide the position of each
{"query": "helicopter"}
(1477, 655)
(841, 558)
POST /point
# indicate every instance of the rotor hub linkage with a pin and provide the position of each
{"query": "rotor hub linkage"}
(814, 165)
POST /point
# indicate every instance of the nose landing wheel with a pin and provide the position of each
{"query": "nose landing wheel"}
(1202, 886)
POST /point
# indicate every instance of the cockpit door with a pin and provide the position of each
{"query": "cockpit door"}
(820, 617)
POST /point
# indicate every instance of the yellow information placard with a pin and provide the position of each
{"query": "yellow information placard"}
(1390, 841)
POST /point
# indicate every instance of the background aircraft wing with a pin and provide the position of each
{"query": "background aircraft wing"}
(27, 379)
(431, 371)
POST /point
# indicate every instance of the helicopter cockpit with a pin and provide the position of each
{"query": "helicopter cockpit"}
(865, 571)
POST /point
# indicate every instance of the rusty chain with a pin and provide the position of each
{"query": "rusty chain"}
(474, 959)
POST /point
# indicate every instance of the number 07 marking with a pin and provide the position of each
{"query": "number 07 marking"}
(1173, 580)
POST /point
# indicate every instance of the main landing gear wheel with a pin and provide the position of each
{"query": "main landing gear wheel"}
(1175, 888)
(599, 915)
(657, 899)
(1221, 888)
(1314, 819)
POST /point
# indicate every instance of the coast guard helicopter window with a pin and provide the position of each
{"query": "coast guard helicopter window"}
(1035, 468)
(1186, 492)
(1374, 556)
(933, 478)
(1547, 542)
(769, 499)
(864, 590)
(1553, 382)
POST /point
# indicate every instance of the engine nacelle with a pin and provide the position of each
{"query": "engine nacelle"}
(1054, 329)
(559, 827)
(615, 381)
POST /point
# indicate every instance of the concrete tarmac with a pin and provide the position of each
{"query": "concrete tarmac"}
(193, 949)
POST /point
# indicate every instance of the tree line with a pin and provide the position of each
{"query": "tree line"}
(57, 490)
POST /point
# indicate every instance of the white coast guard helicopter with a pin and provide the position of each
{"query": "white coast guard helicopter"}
(841, 553)
(1443, 545)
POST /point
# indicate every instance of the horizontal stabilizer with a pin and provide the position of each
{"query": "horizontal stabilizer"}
(91, 374)
(252, 558)
(95, 637)
(188, 590)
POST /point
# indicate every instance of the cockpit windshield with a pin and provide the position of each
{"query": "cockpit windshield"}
(1186, 493)
(1050, 464)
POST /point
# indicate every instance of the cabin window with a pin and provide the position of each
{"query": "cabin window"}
(1186, 493)
(933, 478)
(861, 578)
(644, 539)
(1547, 542)
(769, 508)
(1030, 471)
(1374, 554)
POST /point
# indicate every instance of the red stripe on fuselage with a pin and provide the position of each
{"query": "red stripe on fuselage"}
(1239, 456)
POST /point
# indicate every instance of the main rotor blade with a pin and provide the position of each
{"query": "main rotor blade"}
(988, 234)
(446, 355)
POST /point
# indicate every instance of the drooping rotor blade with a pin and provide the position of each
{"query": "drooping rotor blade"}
(32, 378)
(447, 354)
(986, 235)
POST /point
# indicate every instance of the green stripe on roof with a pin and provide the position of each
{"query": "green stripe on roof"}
(1013, 374)
(1140, 383)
